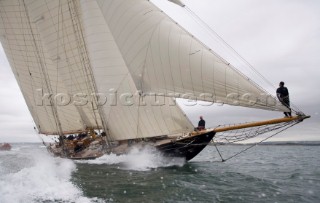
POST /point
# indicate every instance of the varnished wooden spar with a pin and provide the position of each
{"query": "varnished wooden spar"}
(240, 126)
(260, 123)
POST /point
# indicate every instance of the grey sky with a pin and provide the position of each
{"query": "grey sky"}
(280, 38)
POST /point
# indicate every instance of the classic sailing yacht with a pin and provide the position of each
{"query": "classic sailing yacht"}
(103, 75)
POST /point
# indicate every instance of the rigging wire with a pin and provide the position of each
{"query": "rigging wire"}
(222, 160)
(212, 32)
(39, 136)
(28, 25)
(42, 65)
(87, 70)
(255, 144)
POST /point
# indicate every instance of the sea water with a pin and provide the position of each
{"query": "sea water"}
(262, 174)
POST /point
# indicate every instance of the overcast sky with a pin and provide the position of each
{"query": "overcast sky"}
(279, 38)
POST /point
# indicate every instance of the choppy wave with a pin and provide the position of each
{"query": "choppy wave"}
(264, 174)
(32, 175)
(138, 159)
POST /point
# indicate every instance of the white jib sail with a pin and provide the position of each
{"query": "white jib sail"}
(163, 58)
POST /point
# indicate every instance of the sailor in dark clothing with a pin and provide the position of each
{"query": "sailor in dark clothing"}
(201, 124)
(283, 96)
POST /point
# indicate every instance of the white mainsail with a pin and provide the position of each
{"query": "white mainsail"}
(128, 49)
(43, 53)
(33, 68)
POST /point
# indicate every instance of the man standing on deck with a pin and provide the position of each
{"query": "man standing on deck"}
(201, 124)
(283, 96)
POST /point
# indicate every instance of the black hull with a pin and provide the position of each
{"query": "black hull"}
(187, 147)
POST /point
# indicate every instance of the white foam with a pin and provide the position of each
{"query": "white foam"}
(139, 159)
(39, 178)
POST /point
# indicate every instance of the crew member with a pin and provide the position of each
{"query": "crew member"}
(283, 96)
(201, 124)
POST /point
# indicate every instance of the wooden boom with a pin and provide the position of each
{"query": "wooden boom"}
(260, 123)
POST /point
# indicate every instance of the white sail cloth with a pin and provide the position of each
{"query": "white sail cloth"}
(118, 48)
(163, 58)
(58, 47)
(35, 70)
(126, 117)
